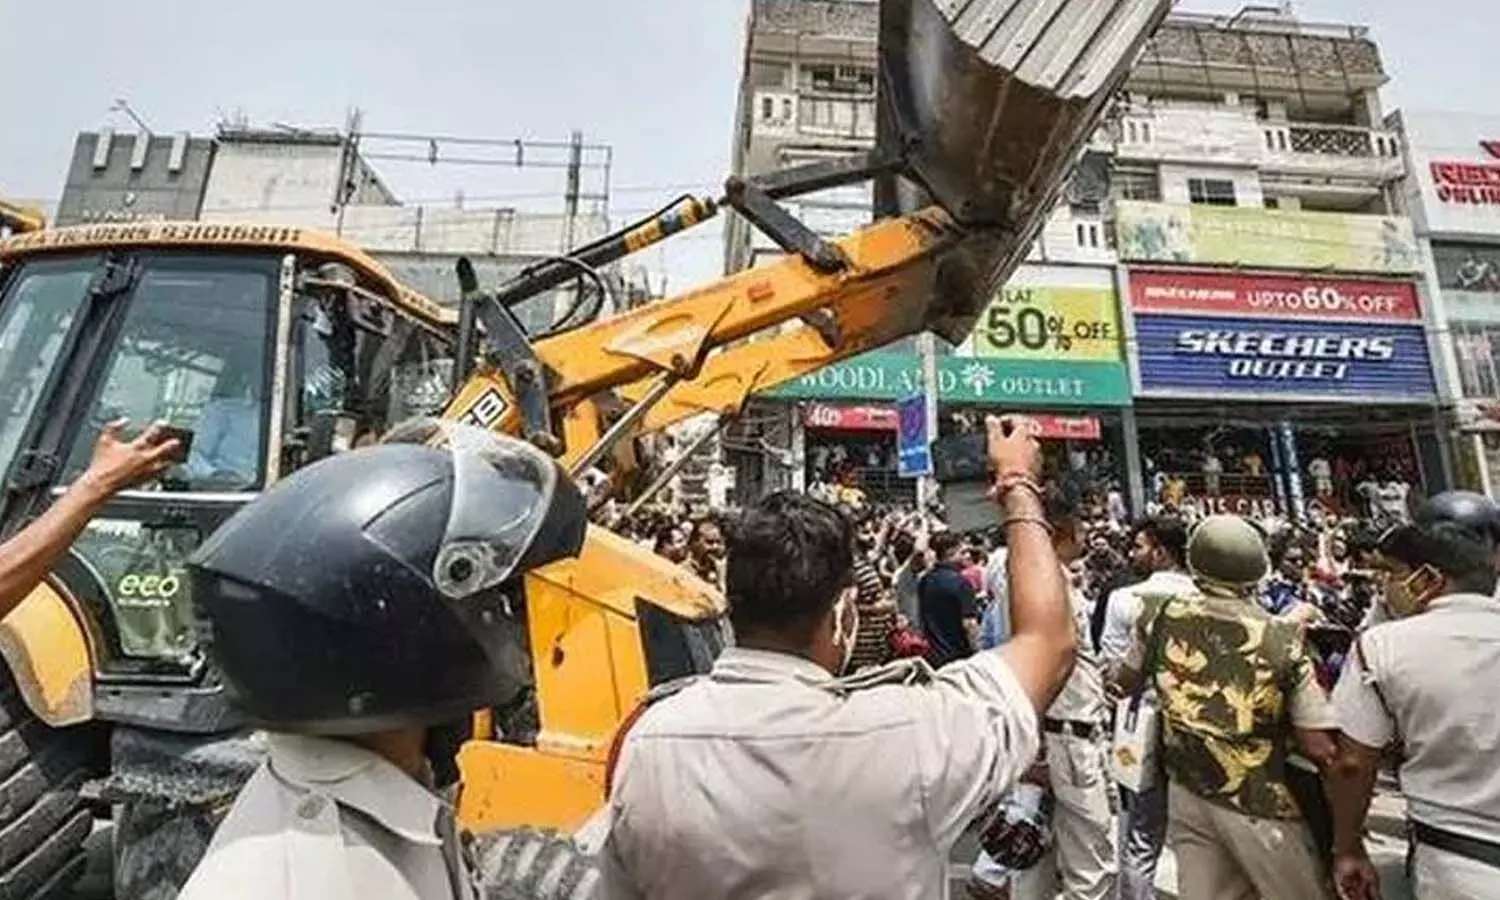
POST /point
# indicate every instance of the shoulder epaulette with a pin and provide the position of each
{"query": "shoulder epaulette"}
(913, 670)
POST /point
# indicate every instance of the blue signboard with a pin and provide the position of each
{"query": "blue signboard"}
(1218, 357)
(913, 456)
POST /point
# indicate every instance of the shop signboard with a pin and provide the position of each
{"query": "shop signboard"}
(1265, 238)
(966, 380)
(1455, 164)
(1281, 296)
(1245, 505)
(1066, 428)
(1050, 322)
(913, 447)
(1217, 357)
(833, 417)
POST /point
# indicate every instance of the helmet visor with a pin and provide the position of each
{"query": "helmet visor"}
(504, 491)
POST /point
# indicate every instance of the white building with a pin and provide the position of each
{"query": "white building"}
(1248, 158)
(1453, 196)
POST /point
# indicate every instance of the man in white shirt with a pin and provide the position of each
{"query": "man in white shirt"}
(772, 778)
(1417, 680)
(1158, 551)
(1083, 863)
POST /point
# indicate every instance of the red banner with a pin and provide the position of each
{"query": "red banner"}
(850, 418)
(1274, 296)
(1068, 428)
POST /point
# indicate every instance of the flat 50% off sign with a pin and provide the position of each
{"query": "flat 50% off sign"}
(1050, 323)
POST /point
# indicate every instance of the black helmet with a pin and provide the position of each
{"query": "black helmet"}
(379, 588)
(1418, 544)
(1475, 512)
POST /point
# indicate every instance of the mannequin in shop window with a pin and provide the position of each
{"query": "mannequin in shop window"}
(1213, 467)
(1320, 471)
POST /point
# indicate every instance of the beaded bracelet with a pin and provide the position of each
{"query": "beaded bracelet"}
(1026, 520)
(1018, 480)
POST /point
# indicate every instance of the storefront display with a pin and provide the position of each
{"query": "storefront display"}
(1294, 393)
(1305, 338)
(1048, 345)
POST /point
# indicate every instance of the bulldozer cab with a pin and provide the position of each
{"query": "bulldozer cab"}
(271, 348)
(266, 357)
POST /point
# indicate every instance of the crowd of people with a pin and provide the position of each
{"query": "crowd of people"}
(1257, 616)
(1079, 691)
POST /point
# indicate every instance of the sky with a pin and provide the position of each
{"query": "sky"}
(654, 80)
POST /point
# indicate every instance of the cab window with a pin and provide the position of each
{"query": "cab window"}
(36, 314)
(367, 367)
(194, 351)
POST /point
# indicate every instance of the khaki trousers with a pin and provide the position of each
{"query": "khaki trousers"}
(1226, 855)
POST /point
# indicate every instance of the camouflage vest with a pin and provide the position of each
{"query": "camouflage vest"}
(1224, 670)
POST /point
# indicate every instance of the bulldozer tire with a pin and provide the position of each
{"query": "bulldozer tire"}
(43, 820)
(529, 864)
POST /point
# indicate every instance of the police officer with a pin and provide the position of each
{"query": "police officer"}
(352, 607)
(1236, 687)
(1423, 680)
(774, 779)
(1083, 862)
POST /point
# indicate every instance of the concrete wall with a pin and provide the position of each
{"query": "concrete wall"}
(265, 182)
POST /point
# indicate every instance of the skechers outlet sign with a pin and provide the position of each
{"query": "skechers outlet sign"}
(1201, 355)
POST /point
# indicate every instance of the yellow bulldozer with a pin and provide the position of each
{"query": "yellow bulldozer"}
(276, 346)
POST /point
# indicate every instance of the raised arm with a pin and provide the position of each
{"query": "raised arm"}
(27, 557)
(1040, 651)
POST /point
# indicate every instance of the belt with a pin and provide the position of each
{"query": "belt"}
(1082, 730)
(1473, 848)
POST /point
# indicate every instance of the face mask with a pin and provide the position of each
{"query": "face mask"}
(1407, 596)
(845, 627)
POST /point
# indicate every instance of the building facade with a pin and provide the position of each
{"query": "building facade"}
(134, 178)
(1282, 342)
(1228, 306)
(314, 179)
(1050, 343)
(1452, 193)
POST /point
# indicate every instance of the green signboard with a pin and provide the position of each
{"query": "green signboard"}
(974, 381)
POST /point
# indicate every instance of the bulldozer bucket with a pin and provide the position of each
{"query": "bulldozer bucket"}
(990, 103)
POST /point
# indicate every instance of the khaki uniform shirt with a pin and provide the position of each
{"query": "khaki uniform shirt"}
(1082, 697)
(769, 780)
(1436, 670)
(328, 820)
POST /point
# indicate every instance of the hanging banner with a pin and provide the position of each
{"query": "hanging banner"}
(1265, 238)
(850, 418)
(913, 447)
(1056, 323)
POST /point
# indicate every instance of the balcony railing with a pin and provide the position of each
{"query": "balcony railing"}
(1342, 141)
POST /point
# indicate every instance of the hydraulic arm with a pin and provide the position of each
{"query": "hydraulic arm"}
(959, 199)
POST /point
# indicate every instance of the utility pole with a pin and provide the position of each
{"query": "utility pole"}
(570, 220)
